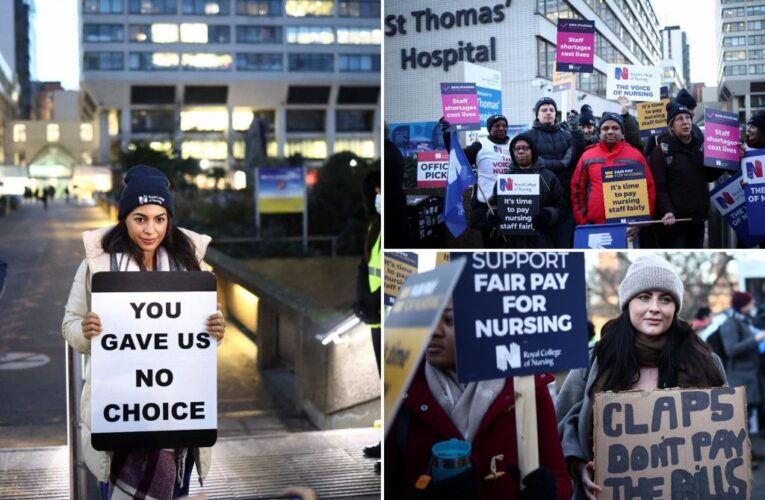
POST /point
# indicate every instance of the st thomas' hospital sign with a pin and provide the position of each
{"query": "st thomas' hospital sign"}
(430, 20)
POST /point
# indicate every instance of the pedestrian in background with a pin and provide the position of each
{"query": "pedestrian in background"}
(702, 319)
(146, 238)
(633, 353)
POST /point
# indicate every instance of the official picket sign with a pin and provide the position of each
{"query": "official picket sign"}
(519, 313)
(637, 83)
(601, 236)
(575, 50)
(154, 367)
(652, 116)
(408, 328)
(721, 135)
(675, 443)
(729, 199)
(398, 267)
(459, 104)
(517, 203)
(754, 189)
(432, 169)
(625, 193)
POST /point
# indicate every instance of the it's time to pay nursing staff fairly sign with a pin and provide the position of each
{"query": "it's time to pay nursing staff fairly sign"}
(154, 367)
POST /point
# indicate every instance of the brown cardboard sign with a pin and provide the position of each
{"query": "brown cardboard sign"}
(674, 443)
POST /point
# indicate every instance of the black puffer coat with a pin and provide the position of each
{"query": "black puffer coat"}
(557, 147)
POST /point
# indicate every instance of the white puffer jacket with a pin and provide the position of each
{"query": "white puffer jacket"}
(96, 260)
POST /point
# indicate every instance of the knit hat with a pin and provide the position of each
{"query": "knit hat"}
(674, 108)
(686, 99)
(612, 116)
(542, 102)
(145, 185)
(650, 272)
(587, 117)
(758, 120)
(740, 300)
(525, 137)
(490, 121)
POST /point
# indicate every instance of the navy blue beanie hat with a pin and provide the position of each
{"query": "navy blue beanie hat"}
(542, 102)
(613, 117)
(758, 120)
(686, 99)
(490, 121)
(674, 108)
(145, 185)
(587, 117)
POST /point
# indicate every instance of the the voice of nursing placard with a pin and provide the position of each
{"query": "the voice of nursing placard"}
(154, 367)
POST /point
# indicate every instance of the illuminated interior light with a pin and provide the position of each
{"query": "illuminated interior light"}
(164, 33)
(165, 59)
(212, 8)
(193, 33)
(240, 180)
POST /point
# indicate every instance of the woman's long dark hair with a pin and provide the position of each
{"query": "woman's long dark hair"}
(177, 245)
(618, 360)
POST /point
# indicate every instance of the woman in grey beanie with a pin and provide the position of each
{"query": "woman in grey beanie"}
(646, 347)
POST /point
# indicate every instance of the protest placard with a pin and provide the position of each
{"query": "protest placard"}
(721, 137)
(675, 443)
(625, 193)
(459, 105)
(398, 267)
(411, 138)
(432, 169)
(519, 313)
(754, 190)
(575, 49)
(517, 203)
(637, 83)
(729, 199)
(488, 87)
(601, 236)
(563, 81)
(652, 116)
(154, 367)
(408, 328)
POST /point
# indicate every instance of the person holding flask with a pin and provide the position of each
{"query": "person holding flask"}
(458, 441)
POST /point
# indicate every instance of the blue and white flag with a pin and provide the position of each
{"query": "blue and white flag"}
(459, 179)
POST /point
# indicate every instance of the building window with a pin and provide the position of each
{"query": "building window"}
(735, 55)
(203, 33)
(734, 12)
(97, 33)
(756, 25)
(53, 132)
(757, 40)
(86, 132)
(731, 27)
(204, 120)
(756, 10)
(359, 8)
(103, 61)
(311, 62)
(259, 7)
(353, 120)
(238, 149)
(545, 58)
(206, 61)
(152, 7)
(152, 120)
(734, 41)
(734, 70)
(303, 8)
(307, 35)
(594, 83)
(756, 69)
(726, 2)
(351, 63)
(113, 122)
(153, 61)
(19, 132)
(359, 36)
(307, 148)
(607, 51)
(306, 120)
(554, 9)
(757, 54)
(102, 7)
(207, 7)
(248, 61)
(204, 150)
(258, 34)
(365, 148)
(216, 33)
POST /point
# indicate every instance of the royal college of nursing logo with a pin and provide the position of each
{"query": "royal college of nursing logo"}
(150, 198)
(622, 73)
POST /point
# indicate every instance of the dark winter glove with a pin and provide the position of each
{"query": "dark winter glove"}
(444, 125)
(463, 486)
(539, 485)
(573, 120)
(542, 219)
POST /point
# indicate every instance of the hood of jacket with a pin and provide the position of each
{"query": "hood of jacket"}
(535, 168)
(524, 136)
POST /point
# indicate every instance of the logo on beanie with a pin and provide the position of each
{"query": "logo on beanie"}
(146, 199)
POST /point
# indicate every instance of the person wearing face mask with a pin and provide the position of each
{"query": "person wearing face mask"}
(558, 149)
(436, 407)
(587, 182)
(682, 181)
(741, 346)
(369, 279)
(646, 347)
(491, 156)
(553, 209)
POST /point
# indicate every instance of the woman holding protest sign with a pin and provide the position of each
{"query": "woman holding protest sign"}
(437, 408)
(145, 239)
(682, 181)
(647, 347)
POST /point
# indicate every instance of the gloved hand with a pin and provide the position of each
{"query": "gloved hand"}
(542, 219)
(463, 486)
(539, 485)
(573, 120)
(444, 125)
